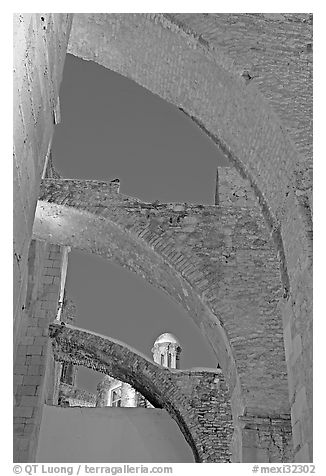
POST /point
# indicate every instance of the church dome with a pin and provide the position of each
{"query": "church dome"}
(167, 338)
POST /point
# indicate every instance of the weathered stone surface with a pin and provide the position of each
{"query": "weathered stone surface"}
(76, 396)
(198, 400)
(40, 42)
(228, 282)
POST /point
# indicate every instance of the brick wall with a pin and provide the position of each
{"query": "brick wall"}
(33, 364)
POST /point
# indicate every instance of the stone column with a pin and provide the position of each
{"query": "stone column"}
(259, 439)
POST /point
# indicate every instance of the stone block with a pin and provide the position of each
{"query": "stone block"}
(29, 390)
(18, 379)
(34, 370)
(49, 305)
(19, 428)
(32, 379)
(41, 340)
(22, 349)
(33, 332)
(29, 401)
(20, 360)
(23, 411)
(36, 360)
(27, 340)
(29, 428)
(254, 455)
(20, 369)
(34, 350)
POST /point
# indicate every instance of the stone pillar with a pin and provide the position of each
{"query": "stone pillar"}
(34, 367)
(259, 439)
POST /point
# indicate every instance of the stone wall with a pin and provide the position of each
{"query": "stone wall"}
(246, 80)
(74, 396)
(33, 366)
(40, 42)
(219, 263)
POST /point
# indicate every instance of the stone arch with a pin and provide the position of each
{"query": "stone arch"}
(233, 113)
(217, 262)
(252, 95)
(184, 394)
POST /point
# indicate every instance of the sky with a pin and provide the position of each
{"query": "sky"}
(111, 127)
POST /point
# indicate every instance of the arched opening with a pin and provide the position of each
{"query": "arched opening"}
(95, 123)
(78, 223)
(242, 112)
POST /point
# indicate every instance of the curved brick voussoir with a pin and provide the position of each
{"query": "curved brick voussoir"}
(199, 401)
(219, 263)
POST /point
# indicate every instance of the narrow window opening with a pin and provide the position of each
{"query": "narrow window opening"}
(116, 397)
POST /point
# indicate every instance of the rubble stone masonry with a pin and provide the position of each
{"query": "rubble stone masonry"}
(219, 263)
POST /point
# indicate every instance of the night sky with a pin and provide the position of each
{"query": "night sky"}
(111, 127)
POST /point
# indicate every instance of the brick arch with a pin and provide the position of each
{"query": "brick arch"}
(217, 262)
(245, 79)
(186, 395)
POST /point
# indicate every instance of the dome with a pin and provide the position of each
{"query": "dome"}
(166, 338)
